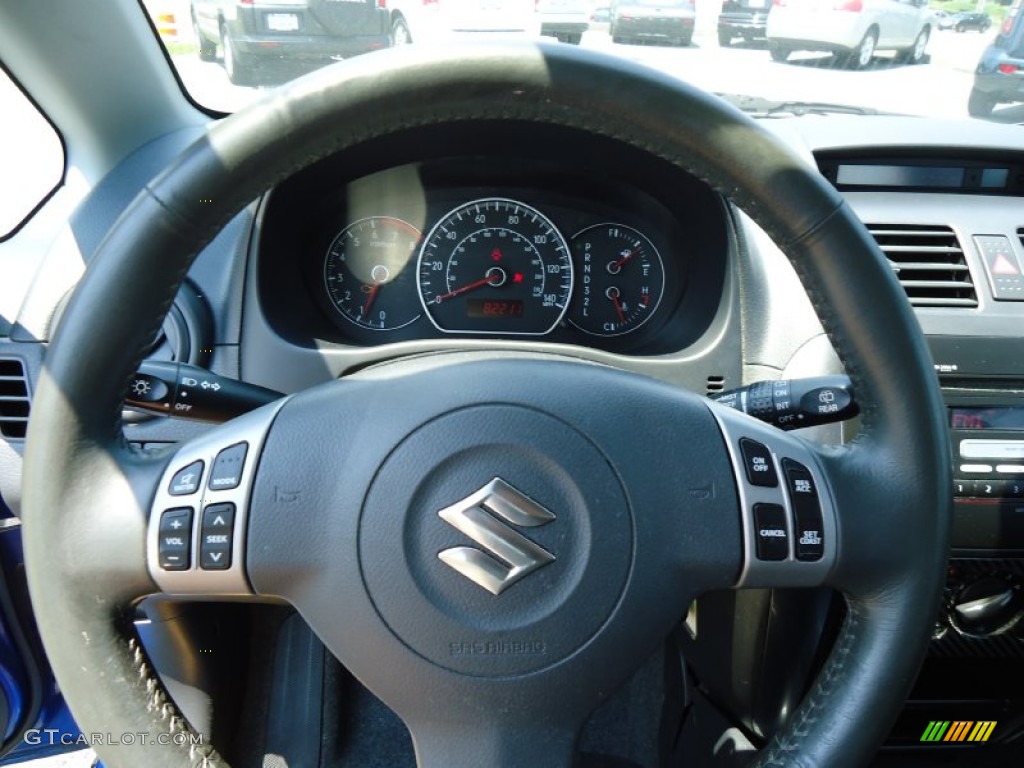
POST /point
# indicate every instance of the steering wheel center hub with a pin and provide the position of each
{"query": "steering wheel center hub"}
(495, 540)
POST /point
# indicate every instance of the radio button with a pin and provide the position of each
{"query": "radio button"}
(990, 489)
(1014, 489)
(1010, 469)
(982, 469)
(963, 488)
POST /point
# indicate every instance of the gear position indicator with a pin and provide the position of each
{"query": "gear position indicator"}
(620, 279)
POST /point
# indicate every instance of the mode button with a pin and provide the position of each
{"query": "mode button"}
(227, 468)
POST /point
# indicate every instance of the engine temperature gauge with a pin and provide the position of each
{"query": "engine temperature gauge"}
(619, 280)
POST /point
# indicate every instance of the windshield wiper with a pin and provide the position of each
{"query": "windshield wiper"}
(756, 106)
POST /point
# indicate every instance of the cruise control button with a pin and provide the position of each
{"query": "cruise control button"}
(216, 537)
(771, 532)
(175, 542)
(227, 468)
(810, 542)
(187, 480)
(758, 464)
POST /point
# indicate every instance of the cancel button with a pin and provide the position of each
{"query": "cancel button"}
(770, 532)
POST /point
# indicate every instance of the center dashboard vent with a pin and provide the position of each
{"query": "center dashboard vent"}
(14, 402)
(928, 262)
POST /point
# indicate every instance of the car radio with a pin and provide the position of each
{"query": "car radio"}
(986, 431)
(988, 450)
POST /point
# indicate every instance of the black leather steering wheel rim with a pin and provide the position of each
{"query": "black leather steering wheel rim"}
(87, 494)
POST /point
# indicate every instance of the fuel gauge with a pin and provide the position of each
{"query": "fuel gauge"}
(619, 280)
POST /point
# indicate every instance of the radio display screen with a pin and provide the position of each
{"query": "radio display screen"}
(1001, 417)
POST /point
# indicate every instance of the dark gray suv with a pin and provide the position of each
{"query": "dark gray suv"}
(742, 18)
(258, 38)
(999, 77)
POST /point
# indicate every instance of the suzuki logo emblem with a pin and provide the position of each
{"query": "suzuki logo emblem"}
(507, 556)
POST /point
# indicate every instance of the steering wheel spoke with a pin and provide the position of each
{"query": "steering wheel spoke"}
(789, 524)
(195, 544)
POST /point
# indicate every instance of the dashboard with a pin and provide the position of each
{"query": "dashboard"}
(399, 247)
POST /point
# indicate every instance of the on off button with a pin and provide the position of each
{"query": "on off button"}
(758, 464)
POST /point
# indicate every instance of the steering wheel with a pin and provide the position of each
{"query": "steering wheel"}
(499, 554)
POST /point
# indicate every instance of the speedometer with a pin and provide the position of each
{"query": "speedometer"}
(495, 266)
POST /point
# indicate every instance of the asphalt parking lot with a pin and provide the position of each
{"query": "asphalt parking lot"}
(937, 88)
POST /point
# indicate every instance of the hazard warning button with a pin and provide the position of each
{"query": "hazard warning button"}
(1003, 267)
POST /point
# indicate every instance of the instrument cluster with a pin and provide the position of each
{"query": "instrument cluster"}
(434, 251)
(493, 266)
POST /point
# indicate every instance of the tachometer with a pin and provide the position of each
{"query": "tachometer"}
(495, 266)
(621, 279)
(366, 273)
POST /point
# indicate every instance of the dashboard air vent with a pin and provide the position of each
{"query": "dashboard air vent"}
(715, 384)
(14, 405)
(929, 263)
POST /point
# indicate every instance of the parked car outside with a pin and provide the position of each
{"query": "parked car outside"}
(742, 18)
(259, 37)
(999, 78)
(961, 22)
(853, 30)
(669, 21)
(436, 21)
(565, 20)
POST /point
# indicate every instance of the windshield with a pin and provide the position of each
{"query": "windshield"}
(953, 59)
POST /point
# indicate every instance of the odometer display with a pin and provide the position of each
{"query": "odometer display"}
(491, 308)
(495, 266)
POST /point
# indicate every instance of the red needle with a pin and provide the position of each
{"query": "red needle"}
(618, 307)
(369, 298)
(626, 258)
(478, 284)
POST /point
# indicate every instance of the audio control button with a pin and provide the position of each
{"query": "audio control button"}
(990, 489)
(963, 488)
(976, 469)
(227, 468)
